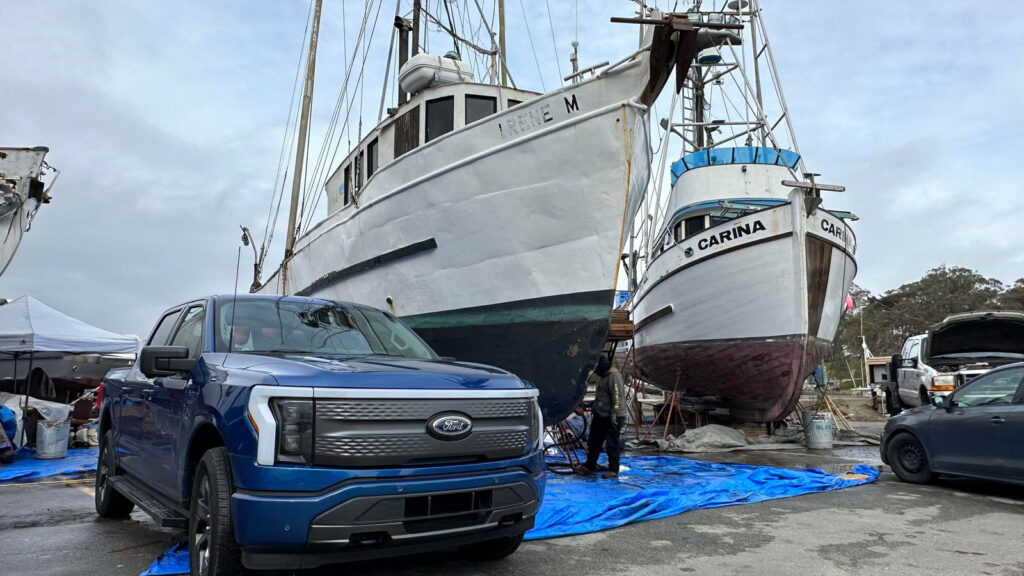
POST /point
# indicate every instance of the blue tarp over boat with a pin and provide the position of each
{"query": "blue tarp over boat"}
(741, 155)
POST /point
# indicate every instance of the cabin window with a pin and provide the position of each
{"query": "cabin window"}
(346, 190)
(371, 158)
(478, 107)
(358, 176)
(407, 131)
(440, 117)
(512, 102)
(716, 220)
(694, 225)
(678, 232)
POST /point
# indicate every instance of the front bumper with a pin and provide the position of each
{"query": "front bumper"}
(368, 517)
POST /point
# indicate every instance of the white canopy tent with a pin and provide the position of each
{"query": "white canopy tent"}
(30, 326)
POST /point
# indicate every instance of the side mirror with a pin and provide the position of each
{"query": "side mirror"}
(909, 363)
(156, 361)
(894, 365)
(943, 402)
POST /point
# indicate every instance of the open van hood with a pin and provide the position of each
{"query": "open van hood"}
(993, 337)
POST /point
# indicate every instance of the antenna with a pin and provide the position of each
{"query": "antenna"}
(234, 300)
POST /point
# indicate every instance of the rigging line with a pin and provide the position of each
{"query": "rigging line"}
(286, 145)
(658, 217)
(451, 33)
(451, 22)
(554, 43)
(387, 67)
(490, 33)
(532, 47)
(339, 103)
(322, 181)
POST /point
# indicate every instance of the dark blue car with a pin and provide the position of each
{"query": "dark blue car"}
(295, 432)
(977, 431)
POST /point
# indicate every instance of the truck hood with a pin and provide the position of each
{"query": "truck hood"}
(388, 372)
(992, 337)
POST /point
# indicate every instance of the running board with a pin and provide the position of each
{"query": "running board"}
(165, 515)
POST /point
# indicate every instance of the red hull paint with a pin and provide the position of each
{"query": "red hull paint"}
(758, 379)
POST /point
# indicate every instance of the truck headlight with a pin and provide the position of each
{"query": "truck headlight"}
(944, 383)
(294, 430)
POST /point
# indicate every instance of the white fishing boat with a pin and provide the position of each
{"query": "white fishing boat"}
(490, 218)
(747, 276)
(22, 192)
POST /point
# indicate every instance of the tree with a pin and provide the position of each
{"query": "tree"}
(1013, 298)
(910, 309)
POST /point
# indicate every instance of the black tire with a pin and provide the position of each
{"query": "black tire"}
(213, 550)
(925, 398)
(907, 457)
(109, 502)
(491, 550)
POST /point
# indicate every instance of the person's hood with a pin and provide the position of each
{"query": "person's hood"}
(993, 337)
(374, 372)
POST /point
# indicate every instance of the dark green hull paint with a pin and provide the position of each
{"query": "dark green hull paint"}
(551, 342)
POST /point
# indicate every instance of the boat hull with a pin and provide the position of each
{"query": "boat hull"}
(526, 229)
(20, 169)
(740, 324)
(553, 342)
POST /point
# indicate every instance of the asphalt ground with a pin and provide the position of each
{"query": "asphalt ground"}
(954, 527)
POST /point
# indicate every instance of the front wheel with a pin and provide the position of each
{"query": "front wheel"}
(109, 502)
(907, 457)
(213, 550)
(491, 550)
(925, 398)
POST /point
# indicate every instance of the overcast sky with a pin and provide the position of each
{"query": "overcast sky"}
(166, 119)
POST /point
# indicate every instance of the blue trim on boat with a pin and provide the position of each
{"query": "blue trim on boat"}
(738, 155)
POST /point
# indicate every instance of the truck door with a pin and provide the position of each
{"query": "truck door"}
(166, 406)
(975, 437)
(909, 373)
(133, 431)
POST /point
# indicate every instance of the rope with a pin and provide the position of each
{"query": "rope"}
(532, 47)
(287, 145)
(554, 43)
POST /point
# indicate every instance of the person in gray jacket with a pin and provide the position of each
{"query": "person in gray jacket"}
(609, 418)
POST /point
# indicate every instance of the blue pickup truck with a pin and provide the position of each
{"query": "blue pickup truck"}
(288, 432)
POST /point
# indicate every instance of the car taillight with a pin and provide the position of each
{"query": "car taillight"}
(944, 383)
(294, 430)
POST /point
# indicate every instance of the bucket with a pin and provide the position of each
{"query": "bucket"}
(52, 439)
(819, 433)
(806, 416)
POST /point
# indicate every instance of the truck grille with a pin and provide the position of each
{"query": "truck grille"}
(371, 432)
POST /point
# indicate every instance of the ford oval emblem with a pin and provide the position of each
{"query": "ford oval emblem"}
(449, 426)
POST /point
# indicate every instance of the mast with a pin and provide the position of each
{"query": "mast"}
(415, 27)
(501, 41)
(757, 72)
(307, 104)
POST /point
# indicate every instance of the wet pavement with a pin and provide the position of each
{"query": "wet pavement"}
(952, 527)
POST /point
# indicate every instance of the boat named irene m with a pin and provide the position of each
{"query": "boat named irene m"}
(747, 278)
(489, 218)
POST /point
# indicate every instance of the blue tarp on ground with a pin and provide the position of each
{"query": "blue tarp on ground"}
(649, 487)
(26, 466)
(652, 487)
(174, 561)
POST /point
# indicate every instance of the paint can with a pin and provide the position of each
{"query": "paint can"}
(52, 439)
(818, 434)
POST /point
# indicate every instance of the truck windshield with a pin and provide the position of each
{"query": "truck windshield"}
(320, 328)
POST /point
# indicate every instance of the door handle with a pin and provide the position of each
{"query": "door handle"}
(997, 420)
(147, 395)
